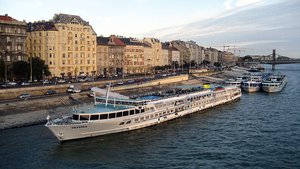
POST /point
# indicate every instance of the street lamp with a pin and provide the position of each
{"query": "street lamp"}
(31, 69)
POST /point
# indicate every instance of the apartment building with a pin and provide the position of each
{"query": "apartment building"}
(67, 43)
(110, 55)
(12, 39)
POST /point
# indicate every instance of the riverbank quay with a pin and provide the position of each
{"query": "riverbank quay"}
(13, 93)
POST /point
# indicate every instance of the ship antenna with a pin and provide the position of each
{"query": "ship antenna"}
(95, 101)
(107, 93)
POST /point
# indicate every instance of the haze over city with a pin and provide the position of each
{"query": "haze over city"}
(253, 26)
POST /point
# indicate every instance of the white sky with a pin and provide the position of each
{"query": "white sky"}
(139, 18)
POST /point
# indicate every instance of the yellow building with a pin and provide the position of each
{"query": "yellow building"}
(67, 43)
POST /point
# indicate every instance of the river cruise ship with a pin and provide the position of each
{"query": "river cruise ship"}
(274, 83)
(252, 84)
(112, 115)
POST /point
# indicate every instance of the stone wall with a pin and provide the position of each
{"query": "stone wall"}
(172, 79)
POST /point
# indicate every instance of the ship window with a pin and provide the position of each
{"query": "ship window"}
(137, 111)
(112, 115)
(103, 116)
(128, 122)
(121, 123)
(147, 117)
(95, 117)
(143, 110)
(119, 114)
(84, 117)
(142, 118)
(125, 113)
(131, 112)
(75, 116)
(137, 119)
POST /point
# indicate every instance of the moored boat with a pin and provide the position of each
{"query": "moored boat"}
(253, 84)
(274, 83)
(113, 115)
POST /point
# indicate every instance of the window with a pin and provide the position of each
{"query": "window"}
(103, 116)
(131, 112)
(84, 117)
(122, 123)
(137, 111)
(125, 113)
(119, 114)
(143, 110)
(75, 117)
(112, 115)
(95, 117)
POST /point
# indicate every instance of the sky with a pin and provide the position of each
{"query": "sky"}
(244, 26)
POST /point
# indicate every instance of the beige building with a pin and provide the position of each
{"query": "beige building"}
(67, 43)
(166, 52)
(185, 55)
(110, 56)
(134, 59)
(156, 51)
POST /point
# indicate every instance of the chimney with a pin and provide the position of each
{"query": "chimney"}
(6, 14)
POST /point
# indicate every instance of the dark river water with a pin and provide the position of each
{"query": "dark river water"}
(259, 131)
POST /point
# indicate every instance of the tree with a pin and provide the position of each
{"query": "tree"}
(193, 63)
(39, 68)
(2, 70)
(217, 64)
(21, 70)
(205, 62)
(175, 64)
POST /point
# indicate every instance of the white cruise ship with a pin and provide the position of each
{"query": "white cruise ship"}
(274, 83)
(111, 115)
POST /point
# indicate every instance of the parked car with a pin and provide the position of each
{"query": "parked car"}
(24, 96)
(45, 82)
(25, 84)
(61, 81)
(50, 92)
(73, 89)
(120, 83)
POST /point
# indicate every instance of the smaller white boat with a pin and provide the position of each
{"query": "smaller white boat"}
(235, 82)
(274, 83)
(253, 84)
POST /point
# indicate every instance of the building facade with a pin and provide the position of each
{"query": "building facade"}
(134, 59)
(67, 43)
(12, 39)
(110, 56)
(166, 53)
(156, 51)
(185, 56)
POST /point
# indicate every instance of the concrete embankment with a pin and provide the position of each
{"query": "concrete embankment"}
(29, 112)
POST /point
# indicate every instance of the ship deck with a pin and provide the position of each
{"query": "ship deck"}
(101, 108)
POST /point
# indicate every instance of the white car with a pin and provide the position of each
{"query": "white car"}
(25, 84)
(24, 96)
(12, 83)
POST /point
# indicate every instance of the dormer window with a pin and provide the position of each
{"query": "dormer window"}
(74, 21)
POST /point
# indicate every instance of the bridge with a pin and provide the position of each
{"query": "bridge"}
(275, 61)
